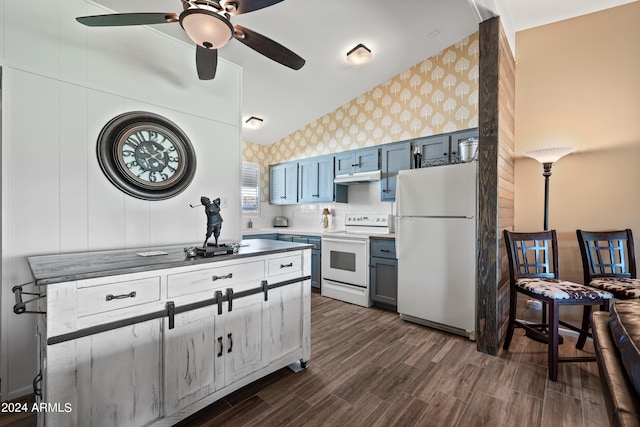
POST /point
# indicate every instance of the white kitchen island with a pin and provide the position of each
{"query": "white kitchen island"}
(129, 340)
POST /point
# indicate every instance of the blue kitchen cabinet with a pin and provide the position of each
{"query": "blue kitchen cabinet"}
(361, 160)
(395, 157)
(443, 149)
(283, 183)
(316, 272)
(461, 136)
(436, 150)
(267, 236)
(315, 180)
(383, 280)
(316, 264)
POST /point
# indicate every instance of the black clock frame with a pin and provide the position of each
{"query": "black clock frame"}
(108, 156)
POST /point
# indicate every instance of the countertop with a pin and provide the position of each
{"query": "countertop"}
(307, 232)
(282, 230)
(49, 269)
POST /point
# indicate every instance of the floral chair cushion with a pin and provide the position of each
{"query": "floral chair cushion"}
(561, 289)
(625, 288)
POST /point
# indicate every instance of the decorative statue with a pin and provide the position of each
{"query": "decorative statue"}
(214, 220)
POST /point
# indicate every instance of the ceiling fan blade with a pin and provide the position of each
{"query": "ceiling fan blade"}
(121, 19)
(245, 6)
(206, 62)
(268, 47)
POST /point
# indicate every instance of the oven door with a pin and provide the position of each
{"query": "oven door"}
(346, 261)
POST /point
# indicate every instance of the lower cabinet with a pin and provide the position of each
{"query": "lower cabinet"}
(316, 257)
(286, 322)
(118, 376)
(383, 281)
(155, 372)
(244, 337)
(193, 354)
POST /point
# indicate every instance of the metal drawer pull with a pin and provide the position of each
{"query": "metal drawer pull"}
(131, 294)
(385, 250)
(230, 343)
(286, 265)
(221, 346)
(228, 276)
(37, 388)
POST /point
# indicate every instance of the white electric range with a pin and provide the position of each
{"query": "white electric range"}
(345, 257)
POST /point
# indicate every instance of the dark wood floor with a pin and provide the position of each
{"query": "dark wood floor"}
(369, 368)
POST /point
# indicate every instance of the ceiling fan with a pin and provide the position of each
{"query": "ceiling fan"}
(207, 23)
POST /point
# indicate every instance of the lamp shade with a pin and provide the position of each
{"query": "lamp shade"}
(549, 155)
(206, 28)
(326, 211)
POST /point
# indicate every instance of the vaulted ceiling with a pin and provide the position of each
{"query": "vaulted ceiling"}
(399, 34)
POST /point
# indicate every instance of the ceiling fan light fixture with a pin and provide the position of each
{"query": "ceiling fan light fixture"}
(254, 122)
(206, 28)
(359, 55)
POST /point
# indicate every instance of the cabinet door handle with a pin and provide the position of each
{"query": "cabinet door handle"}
(131, 294)
(445, 154)
(230, 342)
(37, 389)
(221, 346)
(228, 276)
(286, 265)
(385, 250)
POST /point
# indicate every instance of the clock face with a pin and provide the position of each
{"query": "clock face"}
(146, 155)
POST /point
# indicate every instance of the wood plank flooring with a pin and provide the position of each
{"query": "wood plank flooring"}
(370, 368)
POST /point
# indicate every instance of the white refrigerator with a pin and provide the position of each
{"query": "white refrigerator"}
(436, 246)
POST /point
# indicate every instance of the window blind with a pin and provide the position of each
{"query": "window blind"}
(250, 187)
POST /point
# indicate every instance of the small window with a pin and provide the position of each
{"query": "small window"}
(250, 187)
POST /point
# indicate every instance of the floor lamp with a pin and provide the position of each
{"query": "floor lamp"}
(547, 156)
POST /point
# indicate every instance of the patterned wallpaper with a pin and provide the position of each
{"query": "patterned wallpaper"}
(437, 95)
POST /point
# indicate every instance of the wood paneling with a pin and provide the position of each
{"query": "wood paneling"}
(496, 194)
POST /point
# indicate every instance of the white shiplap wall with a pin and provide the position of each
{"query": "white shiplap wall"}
(61, 82)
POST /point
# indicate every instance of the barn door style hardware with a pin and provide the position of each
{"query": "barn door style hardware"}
(21, 306)
(171, 310)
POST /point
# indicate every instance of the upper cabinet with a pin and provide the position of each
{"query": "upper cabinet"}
(283, 183)
(312, 180)
(315, 182)
(362, 160)
(443, 149)
(435, 150)
(395, 157)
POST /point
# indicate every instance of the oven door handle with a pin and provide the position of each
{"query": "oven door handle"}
(345, 240)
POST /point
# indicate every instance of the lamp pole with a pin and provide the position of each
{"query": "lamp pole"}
(546, 174)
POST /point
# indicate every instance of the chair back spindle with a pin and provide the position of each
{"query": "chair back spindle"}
(607, 254)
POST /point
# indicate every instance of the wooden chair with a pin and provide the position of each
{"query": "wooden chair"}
(533, 271)
(609, 264)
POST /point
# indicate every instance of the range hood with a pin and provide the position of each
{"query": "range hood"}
(358, 177)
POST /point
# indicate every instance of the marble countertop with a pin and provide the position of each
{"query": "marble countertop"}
(49, 269)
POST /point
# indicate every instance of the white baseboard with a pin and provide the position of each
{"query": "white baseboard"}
(21, 392)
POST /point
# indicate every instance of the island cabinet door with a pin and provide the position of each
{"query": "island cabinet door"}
(193, 356)
(119, 376)
(285, 321)
(244, 337)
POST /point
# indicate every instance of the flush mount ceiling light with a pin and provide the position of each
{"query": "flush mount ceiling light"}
(359, 55)
(254, 122)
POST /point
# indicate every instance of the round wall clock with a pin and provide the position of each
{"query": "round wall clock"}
(146, 155)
